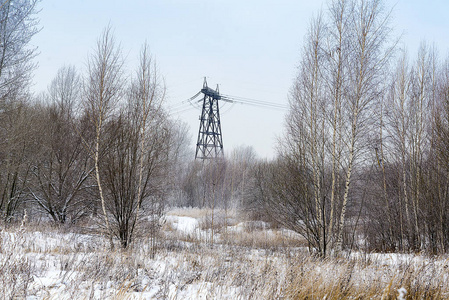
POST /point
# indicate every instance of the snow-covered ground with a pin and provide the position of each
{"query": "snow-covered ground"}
(243, 263)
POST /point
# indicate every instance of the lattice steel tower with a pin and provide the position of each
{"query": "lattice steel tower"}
(209, 143)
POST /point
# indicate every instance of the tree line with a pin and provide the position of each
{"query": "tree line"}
(97, 145)
(364, 159)
(362, 163)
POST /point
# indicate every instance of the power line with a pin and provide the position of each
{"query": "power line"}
(183, 106)
(254, 102)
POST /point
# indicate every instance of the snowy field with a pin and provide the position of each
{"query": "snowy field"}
(248, 260)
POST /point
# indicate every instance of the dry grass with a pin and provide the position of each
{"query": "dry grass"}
(419, 277)
(194, 212)
(245, 264)
(259, 239)
(228, 229)
(15, 269)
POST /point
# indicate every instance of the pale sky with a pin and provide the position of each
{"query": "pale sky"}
(250, 48)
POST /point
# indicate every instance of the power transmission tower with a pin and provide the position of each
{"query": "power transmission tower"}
(210, 143)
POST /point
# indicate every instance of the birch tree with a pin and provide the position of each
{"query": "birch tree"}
(398, 129)
(339, 83)
(369, 57)
(420, 93)
(441, 144)
(307, 134)
(336, 80)
(135, 167)
(103, 88)
(148, 94)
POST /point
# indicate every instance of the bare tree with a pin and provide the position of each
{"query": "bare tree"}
(411, 160)
(121, 170)
(336, 78)
(103, 88)
(241, 162)
(284, 190)
(307, 133)
(398, 129)
(138, 159)
(62, 169)
(441, 158)
(340, 80)
(133, 147)
(18, 140)
(369, 56)
(147, 96)
(191, 185)
(18, 24)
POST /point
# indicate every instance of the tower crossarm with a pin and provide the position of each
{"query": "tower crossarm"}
(207, 91)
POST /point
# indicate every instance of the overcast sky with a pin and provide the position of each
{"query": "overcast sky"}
(250, 48)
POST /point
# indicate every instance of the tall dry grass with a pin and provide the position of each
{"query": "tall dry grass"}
(56, 264)
(417, 277)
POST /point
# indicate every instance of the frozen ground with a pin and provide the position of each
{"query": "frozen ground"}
(243, 263)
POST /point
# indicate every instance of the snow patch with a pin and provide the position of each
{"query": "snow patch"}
(402, 292)
(187, 225)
